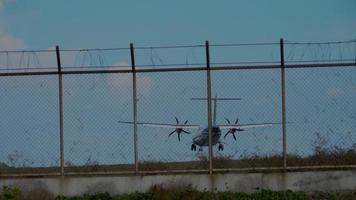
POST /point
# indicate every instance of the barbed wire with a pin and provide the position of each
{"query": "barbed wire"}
(287, 42)
(151, 57)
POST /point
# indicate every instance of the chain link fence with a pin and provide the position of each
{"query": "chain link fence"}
(106, 131)
(29, 124)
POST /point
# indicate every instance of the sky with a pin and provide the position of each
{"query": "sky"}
(41, 24)
(319, 101)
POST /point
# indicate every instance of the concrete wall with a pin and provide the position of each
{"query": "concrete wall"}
(237, 182)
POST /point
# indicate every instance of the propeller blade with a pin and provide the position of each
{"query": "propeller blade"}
(172, 133)
(234, 136)
(186, 132)
(177, 120)
(227, 133)
(228, 121)
(179, 137)
(186, 121)
(237, 120)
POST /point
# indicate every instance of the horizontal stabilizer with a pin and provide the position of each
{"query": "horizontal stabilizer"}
(216, 98)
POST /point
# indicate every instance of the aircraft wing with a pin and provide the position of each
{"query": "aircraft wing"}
(245, 126)
(163, 125)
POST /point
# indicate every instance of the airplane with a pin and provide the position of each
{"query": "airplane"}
(201, 139)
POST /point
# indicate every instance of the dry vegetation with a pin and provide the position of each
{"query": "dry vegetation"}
(325, 157)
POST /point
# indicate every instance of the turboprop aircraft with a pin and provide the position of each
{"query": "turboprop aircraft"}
(201, 139)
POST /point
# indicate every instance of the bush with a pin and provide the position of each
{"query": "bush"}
(189, 193)
(10, 193)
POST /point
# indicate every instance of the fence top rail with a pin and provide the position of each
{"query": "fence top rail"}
(182, 66)
(202, 68)
(27, 51)
(319, 43)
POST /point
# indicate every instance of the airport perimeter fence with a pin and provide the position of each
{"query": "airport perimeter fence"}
(118, 110)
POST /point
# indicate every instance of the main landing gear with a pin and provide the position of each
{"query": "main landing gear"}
(221, 147)
(194, 147)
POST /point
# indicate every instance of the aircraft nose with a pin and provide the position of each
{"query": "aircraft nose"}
(194, 140)
(216, 129)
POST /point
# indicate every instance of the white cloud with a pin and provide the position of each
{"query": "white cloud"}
(123, 65)
(123, 82)
(335, 92)
(9, 42)
(3, 2)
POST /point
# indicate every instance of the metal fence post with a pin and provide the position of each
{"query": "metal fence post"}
(61, 130)
(283, 86)
(134, 94)
(355, 51)
(208, 72)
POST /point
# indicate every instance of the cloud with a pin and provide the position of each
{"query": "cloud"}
(335, 92)
(123, 82)
(9, 42)
(123, 65)
(3, 2)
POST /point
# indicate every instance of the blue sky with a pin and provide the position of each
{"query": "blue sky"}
(318, 100)
(80, 24)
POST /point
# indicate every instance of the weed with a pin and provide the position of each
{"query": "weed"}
(10, 193)
(158, 192)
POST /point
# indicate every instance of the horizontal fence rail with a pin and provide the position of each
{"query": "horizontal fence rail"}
(217, 68)
(261, 107)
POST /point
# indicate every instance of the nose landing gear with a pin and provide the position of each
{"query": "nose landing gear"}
(193, 147)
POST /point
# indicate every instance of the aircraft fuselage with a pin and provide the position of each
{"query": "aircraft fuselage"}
(202, 139)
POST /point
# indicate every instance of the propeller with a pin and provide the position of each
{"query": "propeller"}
(233, 130)
(179, 130)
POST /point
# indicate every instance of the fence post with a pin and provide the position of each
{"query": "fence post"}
(283, 86)
(61, 130)
(208, 73)
(134, 94)
(355, 51)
